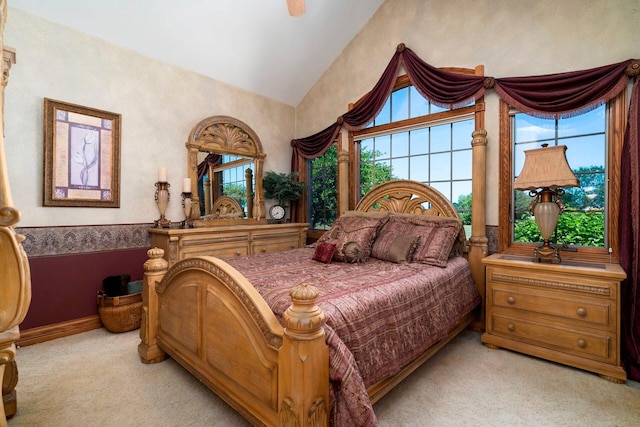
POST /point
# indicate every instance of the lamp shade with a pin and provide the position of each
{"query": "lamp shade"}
(546, 167)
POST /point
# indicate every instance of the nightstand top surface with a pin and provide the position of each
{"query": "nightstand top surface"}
(595, 268)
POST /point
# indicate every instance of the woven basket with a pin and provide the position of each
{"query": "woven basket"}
(120, 314)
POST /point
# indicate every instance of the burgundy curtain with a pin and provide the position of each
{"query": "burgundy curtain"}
(629, 236)
(212, 159)
(443, 88)
(564, 94)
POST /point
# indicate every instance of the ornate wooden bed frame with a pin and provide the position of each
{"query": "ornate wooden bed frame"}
(15, 276)
(208, 317)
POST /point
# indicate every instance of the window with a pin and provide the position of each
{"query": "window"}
(323, 192)
(411, 138)
(229, 179)
(588, 225)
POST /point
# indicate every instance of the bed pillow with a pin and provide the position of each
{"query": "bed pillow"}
(392, 247)
(361, 230)
(437, 236)
(324, 251)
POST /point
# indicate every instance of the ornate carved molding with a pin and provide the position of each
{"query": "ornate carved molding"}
(411, 197)
(226, 134)
(599, 290)
(8, 58)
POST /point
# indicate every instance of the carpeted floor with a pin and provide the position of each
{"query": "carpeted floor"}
(96, 379)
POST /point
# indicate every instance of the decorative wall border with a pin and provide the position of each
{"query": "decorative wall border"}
(77, 239)
(70, 240)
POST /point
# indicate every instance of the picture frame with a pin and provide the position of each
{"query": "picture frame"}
(81, 156)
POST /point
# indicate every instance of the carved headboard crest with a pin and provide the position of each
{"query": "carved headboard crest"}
(405, 196)
(223, 133)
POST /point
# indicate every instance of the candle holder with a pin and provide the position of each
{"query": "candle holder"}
(162, 197)
(187, 205)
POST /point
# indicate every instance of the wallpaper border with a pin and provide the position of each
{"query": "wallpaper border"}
(71, 240)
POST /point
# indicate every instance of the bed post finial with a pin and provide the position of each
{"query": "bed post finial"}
(154, 270)
(304, 362)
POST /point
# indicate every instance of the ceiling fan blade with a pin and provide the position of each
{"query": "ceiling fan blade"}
(296, 7)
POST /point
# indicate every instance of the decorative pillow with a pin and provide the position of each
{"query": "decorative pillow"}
(437, 235)
(359, 229)
(394, 247)
(352, 252)
(324, 252)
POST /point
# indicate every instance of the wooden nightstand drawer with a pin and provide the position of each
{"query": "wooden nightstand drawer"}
(568, 313)
(594, 344)
(564, 306)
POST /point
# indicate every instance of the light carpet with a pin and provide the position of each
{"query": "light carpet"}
(96, 379)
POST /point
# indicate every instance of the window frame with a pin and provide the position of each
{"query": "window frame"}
(616, 116)
(474, 111)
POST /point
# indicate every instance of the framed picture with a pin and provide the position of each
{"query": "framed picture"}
(81, 156)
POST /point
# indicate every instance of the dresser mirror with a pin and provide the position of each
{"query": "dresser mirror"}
(225, 164)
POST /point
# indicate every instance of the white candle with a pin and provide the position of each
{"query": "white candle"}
(186, 185)
(162, 174)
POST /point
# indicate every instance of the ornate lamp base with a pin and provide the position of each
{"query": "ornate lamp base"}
(547, 252)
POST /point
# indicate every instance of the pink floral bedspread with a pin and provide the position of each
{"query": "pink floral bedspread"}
(380, 315)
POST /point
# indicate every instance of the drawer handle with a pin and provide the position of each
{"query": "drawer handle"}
(263, 250)
(238, 253)
(511, 327)
(511, 300)
(582, 312)
(582, 343)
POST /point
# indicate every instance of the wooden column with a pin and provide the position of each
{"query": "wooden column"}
(192, 173)
(303, 360)
(248, 177)
(343, 180)
(478, 242)
(154, 270)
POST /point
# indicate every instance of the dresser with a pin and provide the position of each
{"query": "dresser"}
(567, 313)
(225, 241)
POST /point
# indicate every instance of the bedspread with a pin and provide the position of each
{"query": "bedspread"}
(379, 315)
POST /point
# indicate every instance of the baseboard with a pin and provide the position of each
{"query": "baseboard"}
(58, 330)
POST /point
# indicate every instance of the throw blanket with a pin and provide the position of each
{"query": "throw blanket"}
(379, 315)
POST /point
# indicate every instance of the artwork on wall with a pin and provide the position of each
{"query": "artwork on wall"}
(81, 156)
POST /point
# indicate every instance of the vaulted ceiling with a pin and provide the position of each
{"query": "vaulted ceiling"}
(252, 44)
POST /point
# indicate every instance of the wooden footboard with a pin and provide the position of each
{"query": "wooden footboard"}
(209, 318)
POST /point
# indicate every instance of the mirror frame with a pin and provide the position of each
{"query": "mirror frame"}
(226, 135)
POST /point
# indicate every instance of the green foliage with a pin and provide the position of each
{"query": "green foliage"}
(238, 192)
(373, 173)
(283, 187)
(463, 206)
(574, 228)
(590, 194)
(324, 191)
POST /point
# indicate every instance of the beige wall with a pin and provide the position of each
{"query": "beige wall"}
(159, 104)
(509, 37)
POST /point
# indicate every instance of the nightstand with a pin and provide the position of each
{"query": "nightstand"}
(567, 313)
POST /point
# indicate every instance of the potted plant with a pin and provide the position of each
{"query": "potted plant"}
(282, 187)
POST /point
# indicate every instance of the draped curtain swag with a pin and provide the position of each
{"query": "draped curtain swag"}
(211, 160)
(550, 96)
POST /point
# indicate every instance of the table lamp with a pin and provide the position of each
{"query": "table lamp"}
(545, 173)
